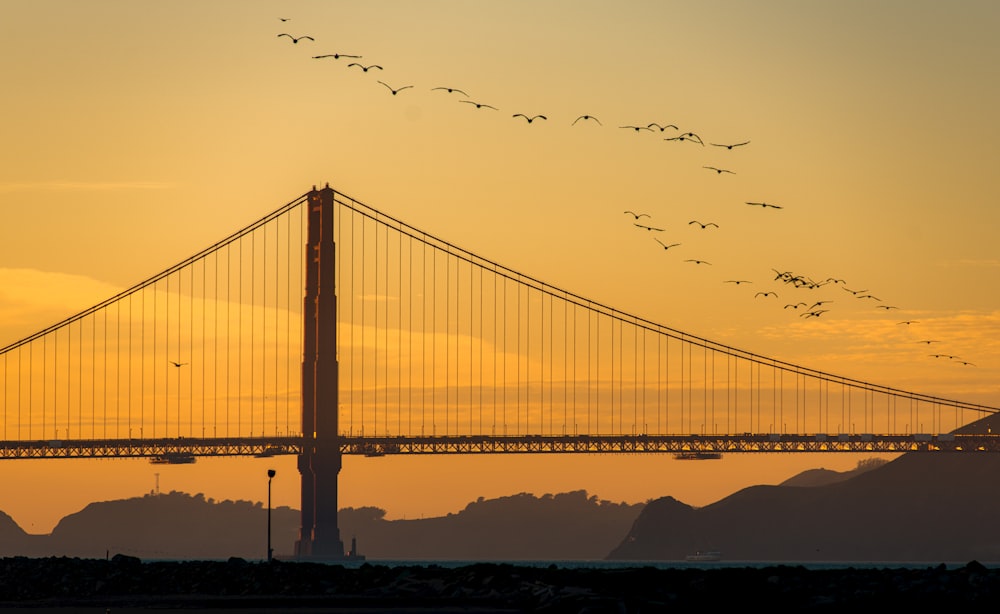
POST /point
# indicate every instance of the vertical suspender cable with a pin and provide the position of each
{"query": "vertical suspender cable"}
(447, 340)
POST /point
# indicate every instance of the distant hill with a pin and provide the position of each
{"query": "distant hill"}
(568, 526)
(173, 525)
(939, 507)
(822, 477)
(177, 525)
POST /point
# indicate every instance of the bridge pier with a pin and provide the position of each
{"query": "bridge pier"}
(320, 461)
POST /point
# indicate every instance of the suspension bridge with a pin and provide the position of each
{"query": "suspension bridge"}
(329, 328)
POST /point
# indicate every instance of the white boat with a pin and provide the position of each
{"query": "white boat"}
(704, 556)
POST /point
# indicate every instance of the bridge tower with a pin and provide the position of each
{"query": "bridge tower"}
(320, 461)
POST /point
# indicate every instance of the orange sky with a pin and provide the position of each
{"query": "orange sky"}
(137, 135)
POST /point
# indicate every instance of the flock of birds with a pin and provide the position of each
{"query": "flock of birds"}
(805, 309)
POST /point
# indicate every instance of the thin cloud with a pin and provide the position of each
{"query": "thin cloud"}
(87, 186)
(986, 263)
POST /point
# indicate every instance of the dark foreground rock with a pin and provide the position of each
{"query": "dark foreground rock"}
(126, 582)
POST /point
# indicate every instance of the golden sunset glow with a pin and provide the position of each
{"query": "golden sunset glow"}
(137, 135)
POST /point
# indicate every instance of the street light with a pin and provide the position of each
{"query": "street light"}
(270, 551)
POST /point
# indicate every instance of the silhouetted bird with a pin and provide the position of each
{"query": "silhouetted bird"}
(908, 322)
(854, 292)
(449, 90)
(764, 205)
(886, 307)
(685, 137)
(730, 146)
(335, 56)
(363, 67)
(737, 281)
(644, 227)
(719, 170)
(927, 341)
(283, 18)
(637, 128)
(296, 40)
(480, 105)
(586, 117)
(691, 136)
(705, 225)
(665, 246)
(177, 364)
(530, 119)
(795, 305)
(966, 363)
(662, 128)
(697, 261)
(637, 215)
(395, 91)
(813, 314)
(766, 294)
(870, 296)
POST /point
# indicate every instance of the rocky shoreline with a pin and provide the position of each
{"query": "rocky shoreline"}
(124, 583)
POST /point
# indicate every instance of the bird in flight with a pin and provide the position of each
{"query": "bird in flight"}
(530, 119)
(394, 91)
(966, 363)
(335, 56)
(927, 341)
(869, 296)
(737, 281)
(449, 90)
(480, 105)
(665, 246)
(296, 40)
(177, 364)
(731, 145)
(697, 261)
(283, 18)
(813, 314)
(886, 307)
(691, 136)
(686, 137)
(854, 292)
(705, 225)
(795, 305)
(637, 128)
(585, 117)
(764, 205)
(766, 294)
(363, 67)
(949, 356)
(818, 304)
(661, 128)
(637, 215)
(719, 170)
(644, 227)
(908, 322)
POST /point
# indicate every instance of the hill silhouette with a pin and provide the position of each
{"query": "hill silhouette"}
(567, 526)
(177, 525)
(920, 507)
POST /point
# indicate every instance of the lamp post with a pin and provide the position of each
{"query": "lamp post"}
(270, 474)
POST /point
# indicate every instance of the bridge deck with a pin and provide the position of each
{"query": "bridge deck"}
(696, 447)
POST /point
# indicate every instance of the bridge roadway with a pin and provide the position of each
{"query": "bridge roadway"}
(182, 450)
